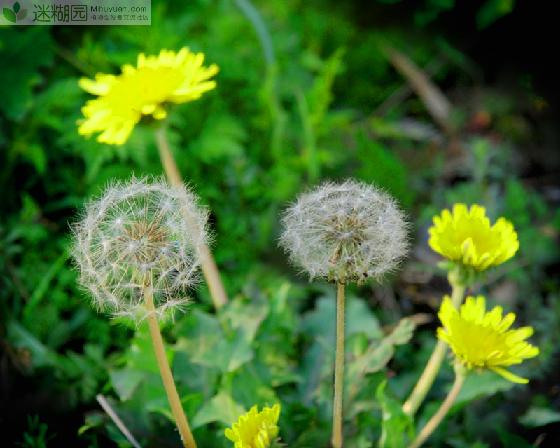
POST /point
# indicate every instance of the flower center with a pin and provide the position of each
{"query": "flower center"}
(145, 241)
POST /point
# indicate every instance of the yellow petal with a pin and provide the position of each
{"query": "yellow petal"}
(94, 87)
(509, 376)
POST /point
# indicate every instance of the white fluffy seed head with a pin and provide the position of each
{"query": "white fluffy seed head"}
(138, 233)
(345, 232)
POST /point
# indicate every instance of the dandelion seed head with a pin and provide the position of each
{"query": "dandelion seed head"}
(345, 232)
(137, 233)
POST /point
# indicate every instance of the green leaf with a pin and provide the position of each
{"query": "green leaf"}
(379, 354)
(492, 10)
(403, 332)
(140, 355)
(222, 137)
(251, 384)
(379, 165)
(482, 384)
(234, 353)
(359, 319)
(319, 324)
(139, 380)
(221, 408)
(431, 11)
(319, 96)
(245, 316)
(397, 428)
(374, 359)
(16, 7)
(539, 416)
(42, 289)
(9, 15)
(126, 381)
(207, 345)
(511, 440)
(28, 51)
(41, 355)
(35, 153)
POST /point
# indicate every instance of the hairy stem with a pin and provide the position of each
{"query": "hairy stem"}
(165, 371)
(209, 267)
(337, 438)
(442, 411)
(436, 359)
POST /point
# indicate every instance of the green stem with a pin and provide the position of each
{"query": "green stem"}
(438, 355)
(209, 267)
(437, 418)
(337, 438)
(165, 371)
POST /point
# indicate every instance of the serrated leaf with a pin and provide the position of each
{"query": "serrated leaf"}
(207, 345)
(374, 359)
(378, 354)
(221, 408)
(396, 427)
(403, 332)
(245, 316)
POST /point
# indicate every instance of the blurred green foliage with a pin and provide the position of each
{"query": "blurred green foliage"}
(301, 97)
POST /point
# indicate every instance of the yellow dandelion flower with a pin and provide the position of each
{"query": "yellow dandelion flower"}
(466, 236)
(142, 90)
(481, 339)
(255, 429)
